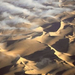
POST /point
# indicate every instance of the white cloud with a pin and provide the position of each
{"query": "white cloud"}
(16, 11)
(12, 9)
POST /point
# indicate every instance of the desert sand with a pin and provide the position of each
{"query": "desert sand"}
(37, 37)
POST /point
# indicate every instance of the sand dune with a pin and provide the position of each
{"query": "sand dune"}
(37, 37)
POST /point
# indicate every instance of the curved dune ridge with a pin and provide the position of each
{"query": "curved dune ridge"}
(37, 37)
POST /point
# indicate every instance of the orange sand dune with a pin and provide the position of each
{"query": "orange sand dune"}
(37, 37)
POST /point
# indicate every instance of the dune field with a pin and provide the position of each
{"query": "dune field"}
(37, 37)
